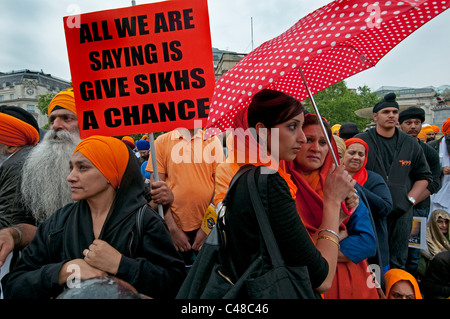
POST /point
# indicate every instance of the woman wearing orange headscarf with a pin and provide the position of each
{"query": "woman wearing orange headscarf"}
(401, 285)
(357, 239)
(99, 234)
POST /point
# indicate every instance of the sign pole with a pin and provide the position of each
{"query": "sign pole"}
(155, 167)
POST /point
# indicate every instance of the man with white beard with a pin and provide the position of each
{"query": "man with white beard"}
(44, 187)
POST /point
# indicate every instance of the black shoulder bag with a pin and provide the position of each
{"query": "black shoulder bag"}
(208, 279)
(282, 281)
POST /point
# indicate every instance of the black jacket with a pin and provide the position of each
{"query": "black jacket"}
(151, 264)
(432, 157)
(408, 166)
(11, 207)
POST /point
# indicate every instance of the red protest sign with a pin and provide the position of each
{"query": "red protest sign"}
(145, 68)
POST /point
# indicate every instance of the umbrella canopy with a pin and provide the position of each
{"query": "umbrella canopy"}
(328, 45)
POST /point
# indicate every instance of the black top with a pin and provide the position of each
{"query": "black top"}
(387, 148)
(432, 157)
(12, 210)
(436, 283)
(151, 263)
(294, 242)
(408, 165)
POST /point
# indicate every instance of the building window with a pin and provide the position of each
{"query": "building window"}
(1, 97)
(11, 96)
(30, 108)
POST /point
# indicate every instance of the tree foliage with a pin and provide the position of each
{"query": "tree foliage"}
(338, 104)
(43, 102)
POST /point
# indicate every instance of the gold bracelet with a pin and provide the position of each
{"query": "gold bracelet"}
(330, 239)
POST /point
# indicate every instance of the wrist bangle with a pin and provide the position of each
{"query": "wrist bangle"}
(20, 234)
(330, 239)
(331, 232)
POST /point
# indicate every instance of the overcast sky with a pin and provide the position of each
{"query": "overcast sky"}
(32, 37)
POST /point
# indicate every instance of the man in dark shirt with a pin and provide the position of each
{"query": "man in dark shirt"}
(410, 121)
(399, 159)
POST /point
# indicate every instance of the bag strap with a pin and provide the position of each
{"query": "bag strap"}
(236, 176)
(263, 220)
(140, 222)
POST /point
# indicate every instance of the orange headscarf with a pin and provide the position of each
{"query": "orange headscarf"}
(64, 99)
(393, 276)
(361, 176)
(14, 132)
(446, 126)
(110, 155)
(247, 150)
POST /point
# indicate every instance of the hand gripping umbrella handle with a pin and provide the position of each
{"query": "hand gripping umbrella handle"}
(318, 115)
(155, 168)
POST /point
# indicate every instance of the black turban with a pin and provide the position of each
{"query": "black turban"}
(412, 112)
(387, 101)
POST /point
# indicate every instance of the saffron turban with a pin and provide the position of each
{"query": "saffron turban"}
(435, 128)
(110, 156)
(129, 141)
(446, 126)
(335, 128)
(64, 99)
(424, 131)
(17, 127)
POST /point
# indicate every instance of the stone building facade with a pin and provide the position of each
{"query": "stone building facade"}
(22, 88)
(426, 98)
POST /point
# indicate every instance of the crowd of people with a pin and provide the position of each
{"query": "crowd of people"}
(74, 209)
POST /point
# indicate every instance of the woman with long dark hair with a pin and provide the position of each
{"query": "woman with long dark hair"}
(268, 132)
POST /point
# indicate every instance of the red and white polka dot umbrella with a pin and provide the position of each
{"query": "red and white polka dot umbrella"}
(330, 44)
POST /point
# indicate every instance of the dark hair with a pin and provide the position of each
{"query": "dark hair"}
(312, 119)
(272, 107)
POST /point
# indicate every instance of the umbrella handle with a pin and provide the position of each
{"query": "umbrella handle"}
(155, 168)
(316, 109)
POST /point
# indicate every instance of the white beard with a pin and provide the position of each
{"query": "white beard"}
(3, 157)
(44, 185)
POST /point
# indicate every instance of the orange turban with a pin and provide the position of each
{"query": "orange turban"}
(435, 128)
(14, 132)
(424, 131)
(110, 155)
(393, 276)
(128, 138)
(129, 141)
(64, 99)
(335, 128)
(446, 126)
